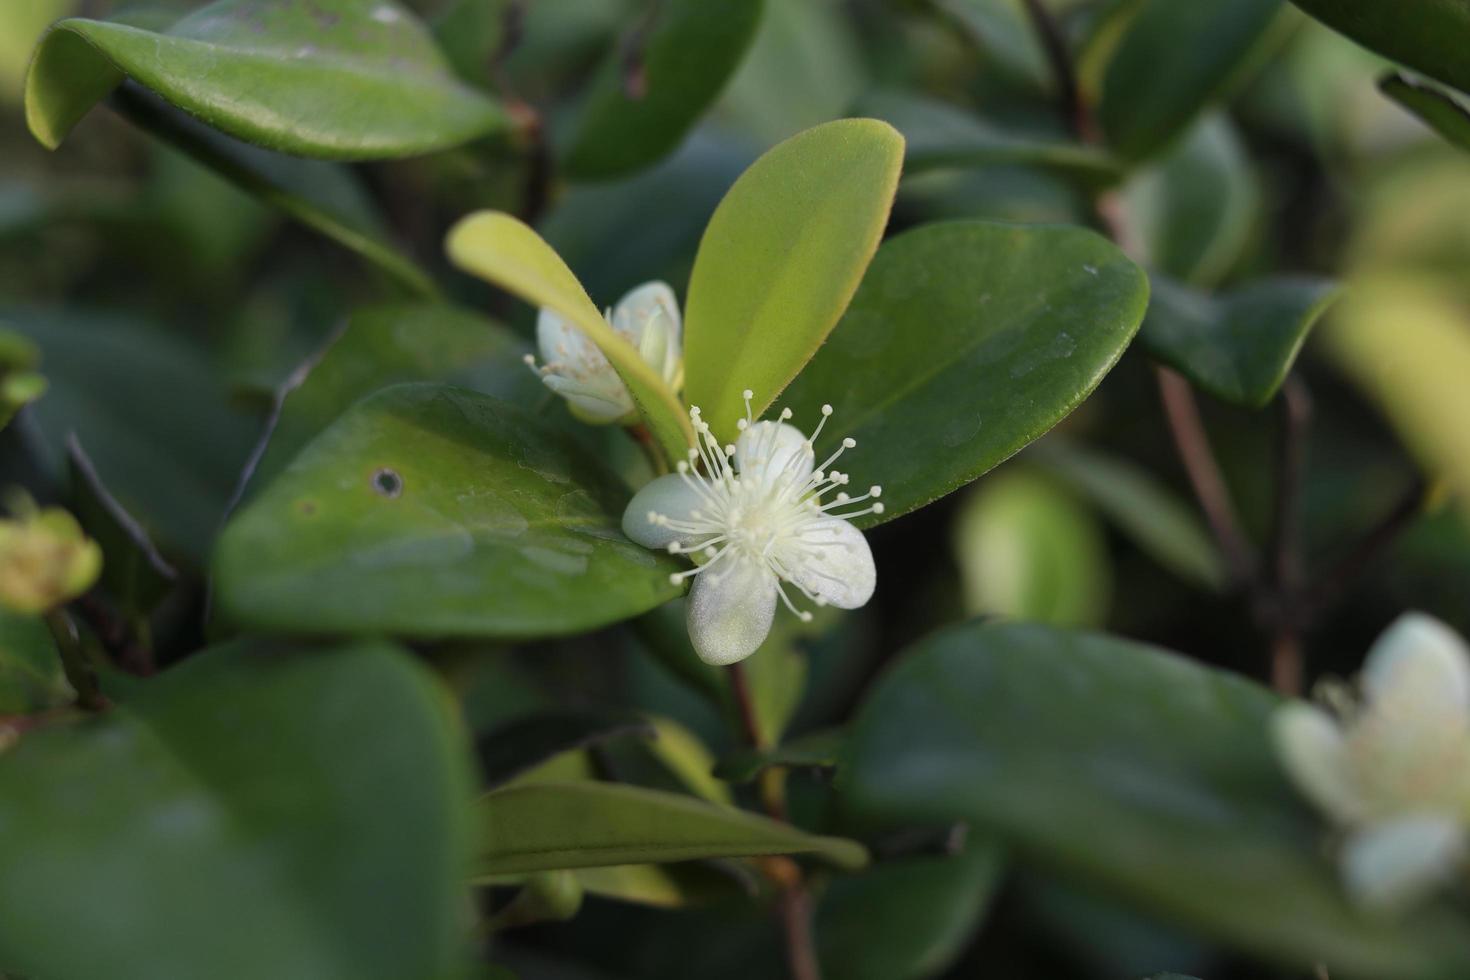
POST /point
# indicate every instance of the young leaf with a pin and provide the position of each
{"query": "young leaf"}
(1238, 346)
(508, 253)
(655, 83)
(336, 79)
(1442, 111)
(780, 260)
(251, 790)
(1430, 36)
(543, 826)
(427, 510)
(1147, 776)
(966, 341)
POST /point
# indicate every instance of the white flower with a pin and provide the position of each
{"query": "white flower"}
(576, 369)
(752, 513)
(1393, 771)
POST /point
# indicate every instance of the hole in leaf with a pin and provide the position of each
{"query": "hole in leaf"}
(387, 483)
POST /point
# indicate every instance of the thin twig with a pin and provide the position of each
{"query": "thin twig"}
(1276, 604)
(1331, 586)
(74, 661)
(1054, 44)
(635, 74)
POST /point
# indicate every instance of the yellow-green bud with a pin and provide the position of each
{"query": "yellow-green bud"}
(45, 560)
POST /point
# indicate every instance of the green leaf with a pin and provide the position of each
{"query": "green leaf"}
(511, 255)
(907, 918)
(288, 810)
(31, 678)
(1441, 110)
(780, 260)
(322, 196)
(1239, 346)
(1157, 520)
(1429, 36)
(1148, 777)
(133, 571)
(966, 341)
(1175, 60)
(544, 826)
(431, 511)
(524, 744)
(336, 79)
(942, 136)
(1192, 213)
(819, 750)
(661, 885)
(1005, 34)
(386, 345)
(1026, 549)
(653, 86)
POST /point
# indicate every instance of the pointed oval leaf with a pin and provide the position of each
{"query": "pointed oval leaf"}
(337, 79)
(653, 86)
(551, 825)
(780, 260)
(1148, 777)
(428, 510)
(252, 793)
(1430, 36)
(508, 253)
(1238, 346)
(967, 340)
(1441, 110)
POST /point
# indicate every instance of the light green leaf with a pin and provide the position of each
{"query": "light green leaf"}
(1193, 211)
(508, 253)
(256, 792)
(1238, 346)
(1430, 36)
(31, 678)
(1175, 60)
(780, 260)
(942, 136)
(1147, 777)
(337, 79)
(1440, 109)
(544, 826)
(428, 510)
(684, 53)
(966, 341)
(1026, 549)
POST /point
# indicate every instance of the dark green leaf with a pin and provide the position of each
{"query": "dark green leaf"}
(1148, 776)
(1430, 36)
(544, 826)
(1006, 35)
(429, 510)
(338, 79)
(522, 745)
(133, 571)
(1239, 346)
(1175, 60)
(653, 86)
(1441, 110)
(818, 750)
(31, 678)
(471, 34)
(966, 341)
(289, 813)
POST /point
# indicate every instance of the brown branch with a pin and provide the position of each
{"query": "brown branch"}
(1054, 44)
(1334, 584)
(1276, 599)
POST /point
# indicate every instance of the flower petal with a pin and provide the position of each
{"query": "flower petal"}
(1421, 654)
(731, 608)
(1390, 865)
(562, 343)
(1313, 752)
(833, 563)
(578, 371)
(768, 451)
(670, 496)
(639, 307)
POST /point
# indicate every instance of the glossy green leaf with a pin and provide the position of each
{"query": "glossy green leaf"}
(133, 571)
(1155, 518)
(1027, 549)
(1429, 36)
(1146, 776)
(291, 812)
(337, 79)
(31, 678)
(780, 261)
(430, 510)
(907, 918)
(655, 83)
(1239, 346)
(942, 136)
(508, 253)
(1175, 60)
(819, 750)
(1441, 110)
(966, 341)
(322, 196)
(522, 745)
(1191, 214)
(386, 345)
(546, 826)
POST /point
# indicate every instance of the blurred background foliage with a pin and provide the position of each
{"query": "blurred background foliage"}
(174, 305)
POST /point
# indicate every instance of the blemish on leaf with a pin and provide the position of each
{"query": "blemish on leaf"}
(307, 508)
(387, 483)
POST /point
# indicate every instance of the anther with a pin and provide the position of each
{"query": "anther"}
(826, 409)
